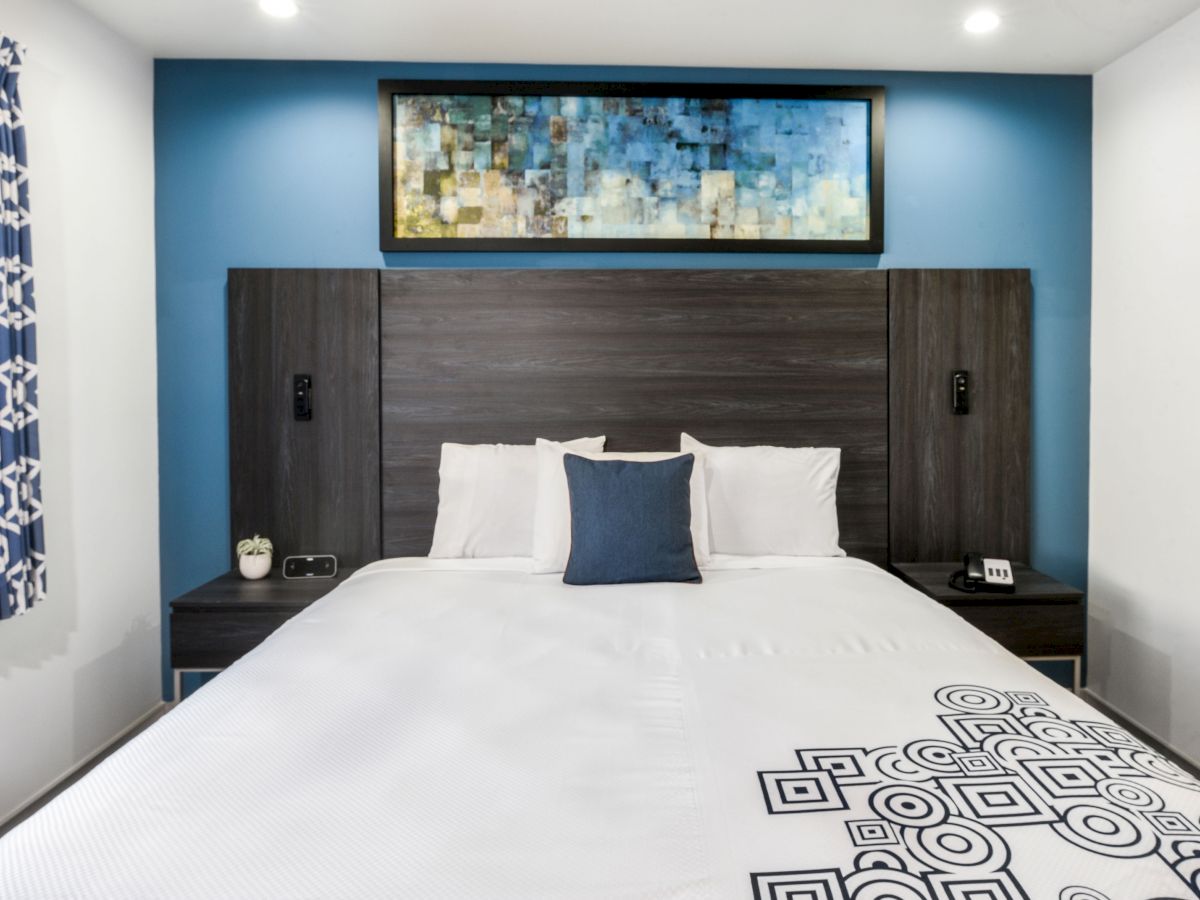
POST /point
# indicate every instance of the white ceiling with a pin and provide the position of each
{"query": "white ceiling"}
(1059, 36)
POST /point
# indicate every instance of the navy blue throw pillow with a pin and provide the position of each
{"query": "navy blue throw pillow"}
(630, 521)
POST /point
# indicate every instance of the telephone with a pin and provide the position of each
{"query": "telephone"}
(980, 573)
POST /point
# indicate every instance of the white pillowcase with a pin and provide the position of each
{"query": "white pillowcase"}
(552, 513)
(486, 496)
(770, 501)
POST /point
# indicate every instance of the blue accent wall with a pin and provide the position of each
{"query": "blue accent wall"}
(274, 164)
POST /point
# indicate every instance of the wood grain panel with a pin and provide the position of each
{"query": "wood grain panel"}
(312, 486)
(959, 483)
(275, 594)
(1032, 630)
(794, 358)
(1041, 617)
(229, 616)
(1031, 586)
(214, 640)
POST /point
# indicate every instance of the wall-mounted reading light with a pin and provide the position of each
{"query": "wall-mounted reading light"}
(302, 398)
(960, 402)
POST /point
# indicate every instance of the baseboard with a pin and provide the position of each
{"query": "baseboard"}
(1122, 718)
(89, 760)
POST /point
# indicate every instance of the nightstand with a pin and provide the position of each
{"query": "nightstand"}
(1043, 620)
(223, 620)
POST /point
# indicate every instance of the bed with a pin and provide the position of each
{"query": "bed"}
(793, 728)
(790, 728)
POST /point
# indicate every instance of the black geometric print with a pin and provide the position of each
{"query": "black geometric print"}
(934, 809)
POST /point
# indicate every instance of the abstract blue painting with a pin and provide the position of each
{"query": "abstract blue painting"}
(603, 168)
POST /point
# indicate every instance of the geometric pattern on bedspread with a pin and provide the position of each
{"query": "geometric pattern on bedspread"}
(936, 809)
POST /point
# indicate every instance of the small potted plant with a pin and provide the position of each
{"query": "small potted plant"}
(254, 557)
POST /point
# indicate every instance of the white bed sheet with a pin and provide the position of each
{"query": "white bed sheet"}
(436, 728)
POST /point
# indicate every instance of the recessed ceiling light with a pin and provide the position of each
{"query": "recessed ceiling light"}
(982, 22)
(280, 9)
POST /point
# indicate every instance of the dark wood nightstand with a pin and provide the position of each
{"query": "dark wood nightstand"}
(223, 620)
(1043, 620)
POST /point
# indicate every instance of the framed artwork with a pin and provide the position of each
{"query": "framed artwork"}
(630, 166)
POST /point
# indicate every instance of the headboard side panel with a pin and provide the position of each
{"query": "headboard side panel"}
(785, 357)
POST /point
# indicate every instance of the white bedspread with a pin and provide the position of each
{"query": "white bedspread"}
(439, 731)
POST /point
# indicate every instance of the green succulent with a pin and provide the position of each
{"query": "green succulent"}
(255, 546)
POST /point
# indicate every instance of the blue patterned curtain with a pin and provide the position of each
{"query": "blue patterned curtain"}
(22, 549)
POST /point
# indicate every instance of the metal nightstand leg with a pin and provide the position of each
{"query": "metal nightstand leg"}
(1075, 661)
(178, 682)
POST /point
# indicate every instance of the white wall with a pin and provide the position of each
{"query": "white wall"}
(84, 664)
(1145, 450)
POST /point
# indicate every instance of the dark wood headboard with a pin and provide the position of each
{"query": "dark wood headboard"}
(402, 360)
(785, 357)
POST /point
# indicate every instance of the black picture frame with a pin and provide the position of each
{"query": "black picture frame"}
(389, 243)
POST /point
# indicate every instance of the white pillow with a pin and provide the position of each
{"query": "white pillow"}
(552, 514)
(486, 495)
(770, 501)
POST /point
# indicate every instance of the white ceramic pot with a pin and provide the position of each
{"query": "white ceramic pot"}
(254, 567)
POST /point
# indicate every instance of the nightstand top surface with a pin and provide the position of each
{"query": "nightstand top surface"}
(272, 592)
(1032, 586)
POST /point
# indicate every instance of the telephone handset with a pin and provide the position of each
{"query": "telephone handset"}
(980, 573)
